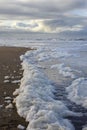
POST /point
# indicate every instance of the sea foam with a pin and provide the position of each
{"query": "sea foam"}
(77, 91)
(35, 100)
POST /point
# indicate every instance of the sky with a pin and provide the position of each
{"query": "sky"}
(50, 16)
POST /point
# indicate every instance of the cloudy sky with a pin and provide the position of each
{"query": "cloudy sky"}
(44, 15)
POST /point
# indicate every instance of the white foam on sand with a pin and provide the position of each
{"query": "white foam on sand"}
(15, 81)
(8, 98)
(35, 101)
(6, 81)
(6, 77)
(9, 106)
(84, 127)
(1, 106)
(77, 91)
(20, 127)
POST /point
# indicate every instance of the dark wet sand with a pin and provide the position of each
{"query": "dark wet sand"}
(10, 66)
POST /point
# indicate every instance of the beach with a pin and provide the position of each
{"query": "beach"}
(10, 75)
(47, 85)
(43, 65)
(46, 97)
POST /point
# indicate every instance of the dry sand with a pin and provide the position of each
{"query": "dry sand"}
(9, 66)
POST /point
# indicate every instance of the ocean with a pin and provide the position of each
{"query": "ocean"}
(53, 90)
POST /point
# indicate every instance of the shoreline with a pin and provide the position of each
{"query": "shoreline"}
(10, 75)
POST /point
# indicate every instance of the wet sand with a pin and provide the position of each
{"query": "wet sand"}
(10, 70)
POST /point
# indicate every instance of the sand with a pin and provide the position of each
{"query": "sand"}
(10, 70)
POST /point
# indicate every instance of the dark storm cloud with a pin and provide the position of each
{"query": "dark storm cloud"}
(68, 21)
(39, 8)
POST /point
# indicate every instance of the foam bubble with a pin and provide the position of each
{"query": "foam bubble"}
(77, 91)
(64, 70)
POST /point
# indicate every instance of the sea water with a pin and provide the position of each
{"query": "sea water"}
(53, 90)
